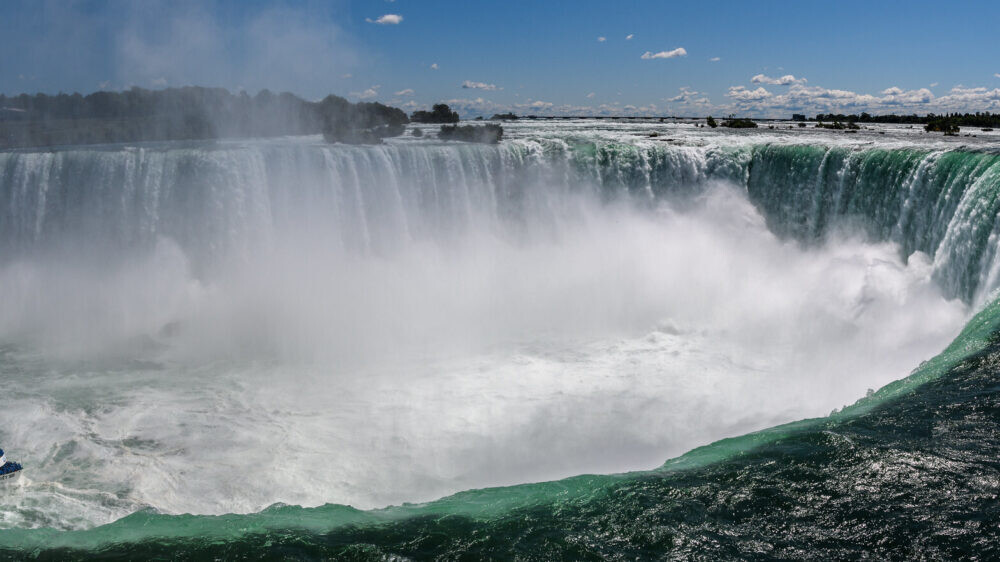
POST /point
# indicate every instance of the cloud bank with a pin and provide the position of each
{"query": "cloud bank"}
(815, 99)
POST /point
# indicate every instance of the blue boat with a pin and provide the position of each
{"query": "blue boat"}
(9, 470)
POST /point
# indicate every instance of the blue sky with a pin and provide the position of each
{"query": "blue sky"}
(752, 58)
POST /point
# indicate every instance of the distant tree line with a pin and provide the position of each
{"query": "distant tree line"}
(849, 125)
(187, 113)
(977, 119)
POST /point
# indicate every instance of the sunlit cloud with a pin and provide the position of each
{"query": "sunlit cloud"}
(686, 94)
(786, 80)
(387, 19)
(406, 92)
(743, 94)
(367, 94)
(470, 85)
(629, 36)
(678, 52)
(601, 39)
(714, 59)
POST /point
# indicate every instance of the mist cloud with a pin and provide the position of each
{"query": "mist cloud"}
(276, 48)
(76, 46)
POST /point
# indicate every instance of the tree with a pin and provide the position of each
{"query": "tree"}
(944, 125)
(440, 113)
(734, 122)
(711, 122)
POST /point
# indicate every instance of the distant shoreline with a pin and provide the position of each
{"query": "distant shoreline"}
(198, 113)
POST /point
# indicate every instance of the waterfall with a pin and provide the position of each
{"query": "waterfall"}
(224, 202)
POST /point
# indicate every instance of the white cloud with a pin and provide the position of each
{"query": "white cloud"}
(678, 52)
(956, 90)
(714, 59)
(367, 94)
(686, 94)
(996, 74)
(159, 81)
(470, 85)
(785, 80)
(898, 96)
(106, 85)
(387, 19)
(590, 95)
(742, 94)
(406, 92)
(969, 99)
(934, 84)
(629, 36)
(434, 66)
(601, 39)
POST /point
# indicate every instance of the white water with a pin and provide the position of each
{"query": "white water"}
(480, 349)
